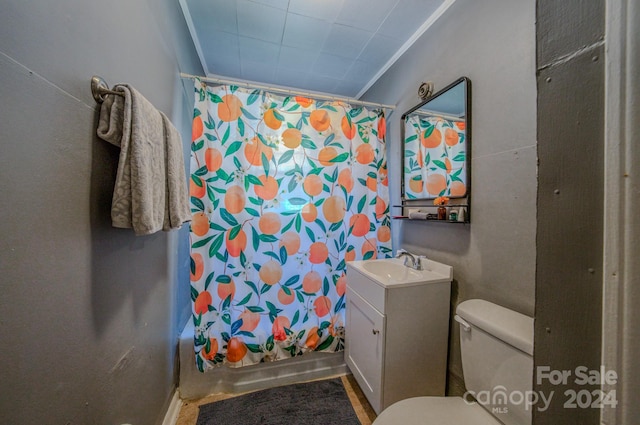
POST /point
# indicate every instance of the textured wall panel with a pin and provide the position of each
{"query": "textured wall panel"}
(570, 226)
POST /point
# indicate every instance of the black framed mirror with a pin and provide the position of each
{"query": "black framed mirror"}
(436, 145)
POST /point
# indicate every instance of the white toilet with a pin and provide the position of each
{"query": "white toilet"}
(497, 362)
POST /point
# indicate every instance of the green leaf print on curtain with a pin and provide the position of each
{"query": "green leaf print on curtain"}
(284, 191)
(434, 157)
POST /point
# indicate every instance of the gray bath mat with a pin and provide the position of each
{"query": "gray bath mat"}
(312, 403)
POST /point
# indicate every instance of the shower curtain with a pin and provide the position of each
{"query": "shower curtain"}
(284, 190)
(434, 157)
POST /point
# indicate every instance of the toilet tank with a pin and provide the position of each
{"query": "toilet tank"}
(497, 359)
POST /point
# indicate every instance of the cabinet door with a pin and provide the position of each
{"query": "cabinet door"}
(364, 347)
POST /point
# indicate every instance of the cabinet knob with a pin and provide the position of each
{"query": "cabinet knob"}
(375, 331)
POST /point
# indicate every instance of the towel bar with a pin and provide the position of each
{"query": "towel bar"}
(99, 89)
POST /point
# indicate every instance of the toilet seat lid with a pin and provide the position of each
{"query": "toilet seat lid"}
(435, 411)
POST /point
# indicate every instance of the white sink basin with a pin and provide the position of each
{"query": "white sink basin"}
(392, 272)
(389, 271)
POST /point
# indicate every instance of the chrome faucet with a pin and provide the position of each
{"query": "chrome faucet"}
(416, 262)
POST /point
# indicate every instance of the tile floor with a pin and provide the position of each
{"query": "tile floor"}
(366, 415)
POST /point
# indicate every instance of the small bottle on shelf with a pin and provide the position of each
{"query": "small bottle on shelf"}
(462, 214)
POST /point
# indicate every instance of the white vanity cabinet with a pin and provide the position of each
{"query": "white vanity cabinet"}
(396, 335)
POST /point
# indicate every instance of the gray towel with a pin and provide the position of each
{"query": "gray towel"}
(418, 215)
(150, 192)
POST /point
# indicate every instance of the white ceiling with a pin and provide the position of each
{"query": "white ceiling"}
(339, 47)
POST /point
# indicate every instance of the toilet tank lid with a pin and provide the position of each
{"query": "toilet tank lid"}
(510, 326)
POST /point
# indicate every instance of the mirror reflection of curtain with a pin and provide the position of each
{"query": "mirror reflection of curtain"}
(434, 157)
(284, 190)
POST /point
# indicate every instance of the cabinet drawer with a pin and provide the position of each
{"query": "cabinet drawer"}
(372, 293)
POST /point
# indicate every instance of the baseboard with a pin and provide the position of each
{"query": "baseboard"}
(171, 417)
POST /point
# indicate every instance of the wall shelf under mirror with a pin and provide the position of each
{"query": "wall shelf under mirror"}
(428, 213)
(436, 155)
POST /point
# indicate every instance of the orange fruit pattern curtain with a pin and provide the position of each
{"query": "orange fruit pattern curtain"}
(434, 157)
(284, 190)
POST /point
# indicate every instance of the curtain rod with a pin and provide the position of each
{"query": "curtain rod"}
(286, 91)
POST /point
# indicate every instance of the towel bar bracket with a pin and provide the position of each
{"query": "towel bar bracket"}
(100, 88)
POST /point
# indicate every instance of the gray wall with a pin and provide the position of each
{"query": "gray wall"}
(492, 43)
(570, 65)
(89, 314)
